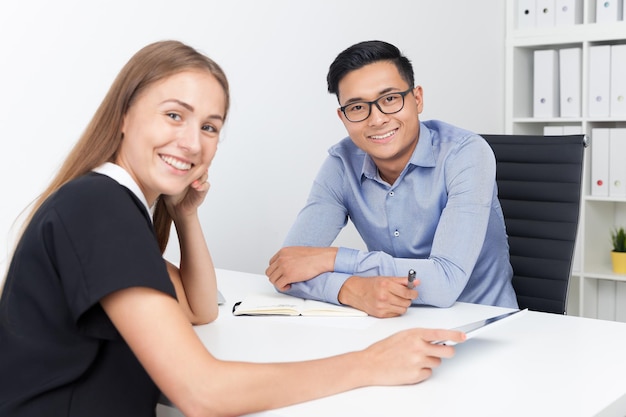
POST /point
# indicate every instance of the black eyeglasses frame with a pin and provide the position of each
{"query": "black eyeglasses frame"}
(375, 102)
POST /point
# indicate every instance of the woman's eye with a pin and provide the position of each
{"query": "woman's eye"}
(174, 116)
(209, 128)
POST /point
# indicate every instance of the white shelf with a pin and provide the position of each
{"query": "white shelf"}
(606, 199)
(564, 120)
(609, 276)
(587, 32)
(597, 289)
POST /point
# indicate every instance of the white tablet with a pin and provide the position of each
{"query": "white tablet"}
(472, 329)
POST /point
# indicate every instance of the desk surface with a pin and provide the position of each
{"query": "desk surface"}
(538, 364)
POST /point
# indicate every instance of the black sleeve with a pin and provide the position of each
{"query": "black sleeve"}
(104, 241)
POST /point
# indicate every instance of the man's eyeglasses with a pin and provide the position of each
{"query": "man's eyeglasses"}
(388, 104)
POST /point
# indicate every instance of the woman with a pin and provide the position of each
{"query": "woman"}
(94, 322)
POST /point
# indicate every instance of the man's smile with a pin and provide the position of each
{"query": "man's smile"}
(384, 136)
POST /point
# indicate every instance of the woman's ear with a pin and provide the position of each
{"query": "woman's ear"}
(123, 126)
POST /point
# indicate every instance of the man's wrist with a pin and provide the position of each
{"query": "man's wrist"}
(331, 257)
(346, 260)
(345, 291)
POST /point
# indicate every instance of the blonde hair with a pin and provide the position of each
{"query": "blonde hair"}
(102, 138)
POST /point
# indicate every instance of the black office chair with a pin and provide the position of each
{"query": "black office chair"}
(539, 187)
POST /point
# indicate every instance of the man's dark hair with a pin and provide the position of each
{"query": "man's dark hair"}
(364, 53)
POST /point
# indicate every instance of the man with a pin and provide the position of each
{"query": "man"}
(422, 195)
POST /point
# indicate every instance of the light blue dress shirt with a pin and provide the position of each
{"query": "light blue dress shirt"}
(441, 218)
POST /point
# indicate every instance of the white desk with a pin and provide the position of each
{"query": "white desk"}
(538, 364)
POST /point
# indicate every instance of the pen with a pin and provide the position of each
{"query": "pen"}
(411, 279)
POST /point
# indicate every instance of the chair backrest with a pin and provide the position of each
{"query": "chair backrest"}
(539, 187)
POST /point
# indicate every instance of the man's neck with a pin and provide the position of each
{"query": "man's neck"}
(390, 169)
(389, 175)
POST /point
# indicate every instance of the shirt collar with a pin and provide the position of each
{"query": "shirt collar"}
(422, 155)
(120, 175)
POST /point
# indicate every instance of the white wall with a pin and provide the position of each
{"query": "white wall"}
(58, 58)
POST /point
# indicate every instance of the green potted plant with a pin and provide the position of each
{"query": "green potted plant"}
(618, 255)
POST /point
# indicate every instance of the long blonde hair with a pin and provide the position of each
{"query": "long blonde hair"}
(102, 138)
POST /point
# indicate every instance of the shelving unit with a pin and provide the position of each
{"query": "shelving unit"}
(595, 291)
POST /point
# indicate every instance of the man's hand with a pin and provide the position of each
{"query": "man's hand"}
(378, 296)
(299, 263)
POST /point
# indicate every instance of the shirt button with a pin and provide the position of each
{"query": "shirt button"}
(396, 233)
(390, 193)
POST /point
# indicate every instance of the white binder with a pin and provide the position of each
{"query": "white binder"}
(577, 258)
(618, 81)
(617, 162)
(570, 81)
(599, 80)
(609, 11)
(544, 13)
(553, 130)
(568, 12)
(572, 130)
(600, 162)
(525, 13)
(546, 84)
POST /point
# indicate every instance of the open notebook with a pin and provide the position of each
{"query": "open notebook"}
(286, 305)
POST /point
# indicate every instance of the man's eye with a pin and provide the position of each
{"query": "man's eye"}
(355, 108)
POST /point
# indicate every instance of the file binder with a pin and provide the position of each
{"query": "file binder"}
(567, 12)
(577, 258)
(599, 80)
(557, 130)
(618, 81)
(608, 11)
(553, 130)
(544, 13)
(600, 162)
(572, 130)
(525, 14)
(617, 165)
(545, 83)
(570, 81)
